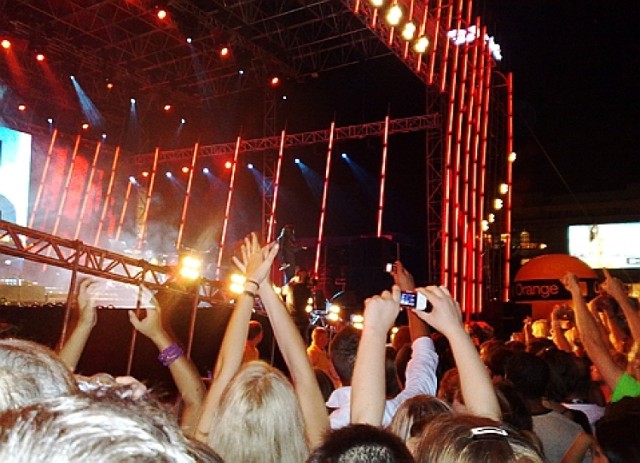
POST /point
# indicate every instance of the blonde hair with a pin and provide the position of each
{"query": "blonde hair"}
(455, 439)
(420, 408)
(259, 418)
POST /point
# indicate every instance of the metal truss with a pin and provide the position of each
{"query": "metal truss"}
(78, 257)
(350, 132)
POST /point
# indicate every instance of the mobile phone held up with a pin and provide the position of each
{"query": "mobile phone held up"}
(390, 267)
(414, 300)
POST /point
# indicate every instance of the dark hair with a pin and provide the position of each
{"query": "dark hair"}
(343, 351)
(497, 358)
(563, 378)
(255, 329)
(617, 431)
(361, 443)
(325, 383)
(515, 410)
(529, 374)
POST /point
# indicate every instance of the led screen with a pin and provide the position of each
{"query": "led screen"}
(610, 245)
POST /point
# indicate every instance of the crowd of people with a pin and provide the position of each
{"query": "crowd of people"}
(564, 390)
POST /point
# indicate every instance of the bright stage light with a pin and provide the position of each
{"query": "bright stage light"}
(167, 107)
(50, 120)
(236, 283)
(376, 3)
(39, 57)
(132, 179)
(133, 101)
(104, 136)
(345, 156)
(394, 15)
(183, 120)
(206, 170)
(22, 107)
(169, 175)
(72, 77)
(85, 126)
(162, 13)
(145, 174)
(485, 225)
(491, 218)
(109, 85)
(185, 170)
(6, 44)
(189, 40)
(297, 160)
(250, 166)
(241, 71)
(228, 165)
(275, 81)
(224, 52)
(512, 156)
(284, 97)
(409, 31)
(504, 188)
(498, 204)
(421, 45)
(190, 267)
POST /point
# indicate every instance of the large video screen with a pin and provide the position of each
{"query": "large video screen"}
(609, 245)
(15, 175)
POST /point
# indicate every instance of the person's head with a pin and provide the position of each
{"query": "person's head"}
(254, 335)
(529, 374)
(564, 374)
(325, 383)
(470, 439)
(259, 418)
(415, 409)
(515, 409)
(84, 428)
(343, 351)
(540, 328)
(496, 359)
(449, 388)
(617, 431)
(361, 443)
(320, 337)
(38, 369)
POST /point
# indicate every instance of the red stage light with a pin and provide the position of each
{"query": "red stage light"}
(228, 165)
(145, 174)
(40, 57)
(162, 13)
(167, 107)
(275, 81)
(224, 52)
(22, 107)
(6, 44)
(185, 170)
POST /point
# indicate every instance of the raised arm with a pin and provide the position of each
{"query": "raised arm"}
(72, 349)
(614, 287)
(182, 369)
(294, 352)
(230, 355)
(368, 382)
(558, 315)
(404, 280)
(590, 334)
(477, 389)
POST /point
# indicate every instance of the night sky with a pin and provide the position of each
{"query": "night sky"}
(576, 68)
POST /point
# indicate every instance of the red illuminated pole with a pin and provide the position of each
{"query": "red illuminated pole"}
(45, 171)
(87, 189)
(127, 195)
(444, 57)
(185, 205)
(383, 175)
(227, 211)
(276, 188)
(147, 203)
(421, 29)
(434, 46)
(65, 192)
(107, 197)
(507, 219)
(325, 192)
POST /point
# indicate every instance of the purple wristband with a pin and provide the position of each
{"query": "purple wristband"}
(170, 354)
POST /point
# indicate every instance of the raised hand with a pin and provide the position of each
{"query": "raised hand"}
(380, 312)
(613, 286)
(402, 277)
(256, 260)
(445, 315)
(87, 312)
(571, 282)
(151, 325)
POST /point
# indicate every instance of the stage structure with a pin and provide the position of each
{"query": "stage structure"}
(468, 161)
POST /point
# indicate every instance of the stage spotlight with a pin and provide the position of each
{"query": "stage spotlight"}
(169, 175)
(250, 166)
(109, 85)
(228, 165)
(189, 40)
(376, 3)
(133, 100)
(297, 160)
(185, 170)
(504, 188)
(485, 225)
(6, 44)
(22, 107)
(167, 107)
(162, 14)
(275, 81)
(50, 120)
(39, 57)
(190, 267)
(491, 218)
(344, 156)
(421, 45)
(104, 136)
(145, 174)
(284, 97)
(512, 156)
(394, 15)
(224, 52)
(85, 126)
(72, 77)
(497, 204)
(132, 179)
(183, 120)
(236, 283)
(241, 72)
(206, 170)
(409, 31)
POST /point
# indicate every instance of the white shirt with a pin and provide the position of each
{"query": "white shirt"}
(420, 379)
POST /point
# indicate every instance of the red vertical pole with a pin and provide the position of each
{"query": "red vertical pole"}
(507, 218)
(325, 191)
(65, 192)
(185, 205)
(227, 211)
(45, 171)
(127, 195)
(383, 174)
(276, 188)
(87, 189)
(434, 46)
(107, 197)
(147, 204)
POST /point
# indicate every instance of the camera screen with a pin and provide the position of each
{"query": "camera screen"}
(408, 299)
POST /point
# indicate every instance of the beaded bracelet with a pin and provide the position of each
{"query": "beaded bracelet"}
(170, 354)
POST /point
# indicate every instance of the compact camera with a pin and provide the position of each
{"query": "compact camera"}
(415, 300)
(390, 267)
